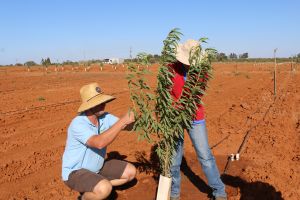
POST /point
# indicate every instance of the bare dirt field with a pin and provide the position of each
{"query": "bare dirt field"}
(36, 108)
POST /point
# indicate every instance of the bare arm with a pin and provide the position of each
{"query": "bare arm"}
(108, 136)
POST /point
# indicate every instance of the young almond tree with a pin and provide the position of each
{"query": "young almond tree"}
(159, 118)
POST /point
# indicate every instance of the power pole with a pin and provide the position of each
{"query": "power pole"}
(130, 54)
(275, 66)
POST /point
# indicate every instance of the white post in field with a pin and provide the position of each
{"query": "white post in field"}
(275, 66)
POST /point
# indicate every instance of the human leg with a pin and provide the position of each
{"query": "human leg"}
(175, 170)
(128, 175)
(198, 135)
(93, 186)
(101, 191)
(118, 172)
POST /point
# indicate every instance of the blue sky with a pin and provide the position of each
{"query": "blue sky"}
(95, 29)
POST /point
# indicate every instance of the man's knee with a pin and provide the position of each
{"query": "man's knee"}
(129, 172)
(103, 188)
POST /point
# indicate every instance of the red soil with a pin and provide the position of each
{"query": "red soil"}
(36, 108)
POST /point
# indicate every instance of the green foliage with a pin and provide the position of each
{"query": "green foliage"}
(143, 58)
(30, 63)
(141, 97)
(243, 56)
(151, 58)
(232, 56)
(69, 62)
(221, 57)
(46, 62)
(159, 118)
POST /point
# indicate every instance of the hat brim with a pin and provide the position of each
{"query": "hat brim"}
(97, 100)
(182, 55)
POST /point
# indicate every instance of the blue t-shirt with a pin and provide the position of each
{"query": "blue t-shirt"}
(77, 154)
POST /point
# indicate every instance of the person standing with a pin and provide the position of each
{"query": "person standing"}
(198, 132)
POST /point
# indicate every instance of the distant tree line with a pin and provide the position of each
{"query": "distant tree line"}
(232, 56)
(46, 62)
(151, 58)
(220, 57)
(30, 63)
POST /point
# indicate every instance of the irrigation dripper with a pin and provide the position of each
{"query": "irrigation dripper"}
(234, 157)
(237, 156)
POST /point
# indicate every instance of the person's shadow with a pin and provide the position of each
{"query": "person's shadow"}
(148, 166)
(151, 166)
(252, 190)
(194, 178)
(248, 190)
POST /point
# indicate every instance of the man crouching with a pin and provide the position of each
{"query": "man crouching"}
(84, 168)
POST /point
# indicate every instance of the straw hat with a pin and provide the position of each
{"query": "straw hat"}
(91, 96)
(183, 51)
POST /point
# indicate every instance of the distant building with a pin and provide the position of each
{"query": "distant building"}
(113, 60)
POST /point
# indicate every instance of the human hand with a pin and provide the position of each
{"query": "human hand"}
(128, 118)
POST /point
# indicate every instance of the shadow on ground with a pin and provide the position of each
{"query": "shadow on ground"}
(252, 190)
(248, 190)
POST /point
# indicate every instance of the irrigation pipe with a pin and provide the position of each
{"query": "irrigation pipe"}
(47, 106)
(37, 108)
(233, 157)
(237, 156)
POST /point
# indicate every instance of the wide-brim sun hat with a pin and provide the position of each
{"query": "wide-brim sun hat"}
(183, 50)
(91, 96)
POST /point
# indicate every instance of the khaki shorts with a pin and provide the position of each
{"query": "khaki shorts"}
(83, 180)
